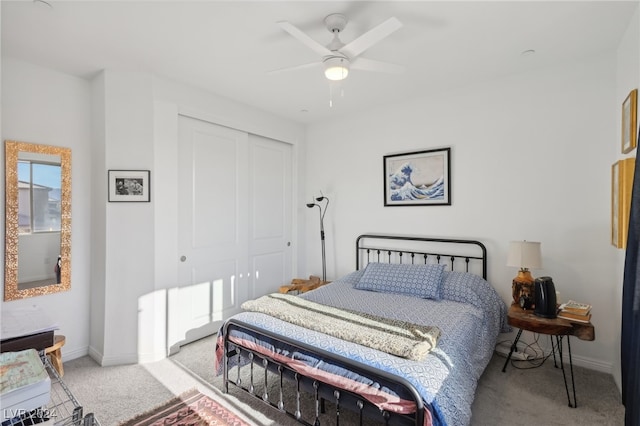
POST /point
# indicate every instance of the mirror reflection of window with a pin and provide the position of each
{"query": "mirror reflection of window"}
(38, 219)
(39, 201)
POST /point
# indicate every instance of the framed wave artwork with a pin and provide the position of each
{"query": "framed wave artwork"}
(421, 178)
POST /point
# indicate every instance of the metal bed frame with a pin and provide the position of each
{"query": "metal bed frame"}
(369, 248)
(378, 254)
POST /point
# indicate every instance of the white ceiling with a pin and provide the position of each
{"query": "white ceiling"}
(229, 47)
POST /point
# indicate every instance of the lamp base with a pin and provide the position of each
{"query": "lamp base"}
(523, 285)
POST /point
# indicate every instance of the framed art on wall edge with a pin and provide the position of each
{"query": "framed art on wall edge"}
(131, 186)
(629, 121)
(621, 184)
(421, 178)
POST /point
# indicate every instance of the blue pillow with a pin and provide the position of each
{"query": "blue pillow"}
(475, 290)
(422, 281)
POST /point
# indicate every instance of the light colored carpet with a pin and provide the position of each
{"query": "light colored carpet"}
(516, 397)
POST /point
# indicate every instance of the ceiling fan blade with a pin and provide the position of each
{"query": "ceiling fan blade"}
(304, 38)
(371, 37)
(377, 66)
(295, 67)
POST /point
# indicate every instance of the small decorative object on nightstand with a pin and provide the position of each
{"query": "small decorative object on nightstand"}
(524, 255)
(300, 285)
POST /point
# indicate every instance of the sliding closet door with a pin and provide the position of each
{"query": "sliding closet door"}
(270, 227)
(212, 232)
(234, 214)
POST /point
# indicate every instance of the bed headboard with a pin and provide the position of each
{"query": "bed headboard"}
(459, 255)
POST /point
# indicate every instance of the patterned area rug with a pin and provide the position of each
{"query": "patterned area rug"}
(191, 408)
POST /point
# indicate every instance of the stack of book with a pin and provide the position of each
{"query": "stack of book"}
(575, 311)
(24, 385)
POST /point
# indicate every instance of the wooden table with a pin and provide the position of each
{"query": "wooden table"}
(55, 355)
(301, 288)
(299, 285)
(555, 327)
(525, 319)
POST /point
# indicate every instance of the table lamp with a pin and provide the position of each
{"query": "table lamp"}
(524, 255)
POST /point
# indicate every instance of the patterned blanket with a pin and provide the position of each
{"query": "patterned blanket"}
(395, 337)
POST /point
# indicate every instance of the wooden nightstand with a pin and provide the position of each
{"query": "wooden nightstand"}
(553, 327)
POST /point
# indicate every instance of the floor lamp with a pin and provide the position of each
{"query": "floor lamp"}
(322, 212)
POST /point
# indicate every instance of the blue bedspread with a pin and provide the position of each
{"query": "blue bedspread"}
(470, 316)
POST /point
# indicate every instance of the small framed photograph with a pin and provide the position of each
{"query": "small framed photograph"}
(132, 186)
(621, 184)
(421, 178)
(629, 122)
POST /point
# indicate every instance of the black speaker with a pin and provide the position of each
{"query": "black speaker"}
(545, 298)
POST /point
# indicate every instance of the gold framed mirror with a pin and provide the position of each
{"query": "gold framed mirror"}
(37, 220)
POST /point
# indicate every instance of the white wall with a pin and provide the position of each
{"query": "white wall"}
(119, 253)
(98, 219)
(43, 106)
(627, 79)
(128, 228)
(531, 157)
(135, 257)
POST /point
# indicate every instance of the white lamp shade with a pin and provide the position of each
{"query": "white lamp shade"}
(336, 68)
(524, 254)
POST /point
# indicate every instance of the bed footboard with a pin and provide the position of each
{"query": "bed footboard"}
(279, 385)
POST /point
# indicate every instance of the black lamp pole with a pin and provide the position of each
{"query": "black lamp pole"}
(322, 212)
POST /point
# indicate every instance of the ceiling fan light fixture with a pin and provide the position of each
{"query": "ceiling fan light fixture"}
(336, 68)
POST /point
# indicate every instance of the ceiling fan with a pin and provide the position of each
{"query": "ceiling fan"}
(338, 57)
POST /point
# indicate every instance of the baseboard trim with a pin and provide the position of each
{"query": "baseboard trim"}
(582, 361)
(112, 361)
(95, 355)
(68, 355)
(591, 364)
(106, 361)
